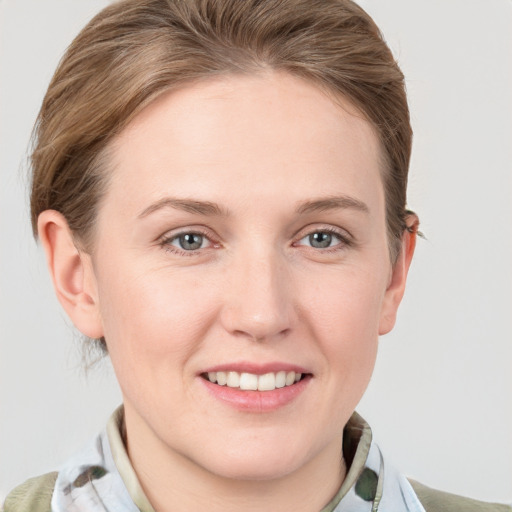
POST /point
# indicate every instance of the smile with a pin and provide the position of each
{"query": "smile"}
(252, 382)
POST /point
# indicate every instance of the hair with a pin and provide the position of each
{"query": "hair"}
(135, 50)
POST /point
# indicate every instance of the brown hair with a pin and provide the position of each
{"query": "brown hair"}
(134, 50)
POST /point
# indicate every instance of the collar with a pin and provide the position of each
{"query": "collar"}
(101, 478)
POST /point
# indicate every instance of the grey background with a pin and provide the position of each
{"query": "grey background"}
(440, 402)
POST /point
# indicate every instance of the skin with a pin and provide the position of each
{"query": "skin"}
(271, 152)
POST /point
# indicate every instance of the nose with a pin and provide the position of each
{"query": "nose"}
(258, 301)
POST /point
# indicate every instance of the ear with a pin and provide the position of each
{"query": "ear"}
(71, 272)
(396, 287)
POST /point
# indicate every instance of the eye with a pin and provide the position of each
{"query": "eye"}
(186, 242)
(189, 241)
(320, 240)
(323, 239)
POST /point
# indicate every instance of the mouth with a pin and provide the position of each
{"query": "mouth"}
(245, 381)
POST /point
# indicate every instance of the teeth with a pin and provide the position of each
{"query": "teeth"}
(222, 378)
(252, 382)
(267, 382)
(280, 379)
(233, 380)
(248, 381)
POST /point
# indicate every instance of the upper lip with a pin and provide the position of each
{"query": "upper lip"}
(256, 368)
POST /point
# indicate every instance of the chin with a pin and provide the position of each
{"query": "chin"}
(253, 461)
(255, 470)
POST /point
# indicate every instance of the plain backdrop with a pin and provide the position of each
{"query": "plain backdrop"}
(440, 402)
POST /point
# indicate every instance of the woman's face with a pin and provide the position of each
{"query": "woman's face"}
(243, 234)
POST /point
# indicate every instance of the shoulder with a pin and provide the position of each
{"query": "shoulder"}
(439, 501)
(34, 495)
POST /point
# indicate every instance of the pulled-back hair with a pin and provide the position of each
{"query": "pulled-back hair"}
(134, 50)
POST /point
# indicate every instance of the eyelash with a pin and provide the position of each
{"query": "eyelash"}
(166, 241)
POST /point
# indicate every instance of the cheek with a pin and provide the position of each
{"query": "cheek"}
(153, 315)
(344, 314)
(347, 302)
(343, 318)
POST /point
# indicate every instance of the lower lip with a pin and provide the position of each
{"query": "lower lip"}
(257, 401)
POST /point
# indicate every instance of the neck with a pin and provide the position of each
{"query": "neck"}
(172, 481)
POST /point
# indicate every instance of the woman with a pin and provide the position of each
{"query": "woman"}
(223, 210)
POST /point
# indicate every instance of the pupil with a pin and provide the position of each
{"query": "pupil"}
(191, 241)
(320, 240)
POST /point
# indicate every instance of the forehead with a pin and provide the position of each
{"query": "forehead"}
(259, 133)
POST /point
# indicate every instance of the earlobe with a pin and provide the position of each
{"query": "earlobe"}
(71, 272)
(396, 286)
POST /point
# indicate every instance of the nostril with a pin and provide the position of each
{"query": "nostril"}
(262, 335)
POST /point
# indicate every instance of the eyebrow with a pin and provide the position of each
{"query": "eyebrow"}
(332, 203)
(186, 205)
(213, 209)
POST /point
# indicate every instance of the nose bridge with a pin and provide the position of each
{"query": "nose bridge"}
(258, 304)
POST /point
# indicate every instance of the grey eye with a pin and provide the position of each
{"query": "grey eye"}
(320, 239)
(189, 241)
